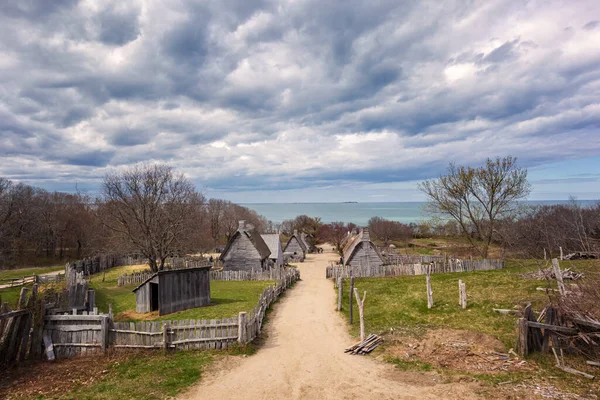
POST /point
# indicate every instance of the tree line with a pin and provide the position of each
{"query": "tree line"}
(149, 210)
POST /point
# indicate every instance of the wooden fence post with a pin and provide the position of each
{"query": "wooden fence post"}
(558, 275)
(104, 333)
(462, 294)
(242, 328)
(545, 254)
(350, 307)
(165, 333)
(522, 337)
(361, 312)
(429, 291)
(561, 253)
(340, 292)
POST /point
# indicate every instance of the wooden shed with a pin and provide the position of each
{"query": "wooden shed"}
(360, 251)
(295, 248)
(245, 251)
(175, 290)
(273, 241)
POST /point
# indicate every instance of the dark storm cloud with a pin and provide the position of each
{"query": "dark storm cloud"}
(285, 95)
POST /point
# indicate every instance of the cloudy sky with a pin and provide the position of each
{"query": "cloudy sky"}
(300, 100)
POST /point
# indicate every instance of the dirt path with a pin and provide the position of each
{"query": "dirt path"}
(303, 356)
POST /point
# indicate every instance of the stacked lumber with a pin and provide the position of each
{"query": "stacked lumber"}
(366, 346)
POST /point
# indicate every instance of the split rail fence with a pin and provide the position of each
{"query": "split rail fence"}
(83, 332)
(453, 265)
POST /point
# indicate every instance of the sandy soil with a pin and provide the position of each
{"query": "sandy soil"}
(303, 356)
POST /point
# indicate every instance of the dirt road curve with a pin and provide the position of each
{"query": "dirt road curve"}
(303, 357)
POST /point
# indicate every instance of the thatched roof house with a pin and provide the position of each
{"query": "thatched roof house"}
(360, 251)
(174, 290)
(295, 248)
(274, 243)
(245, 251)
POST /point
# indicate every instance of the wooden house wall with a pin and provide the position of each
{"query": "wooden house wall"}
(183, 290)
(279, 260)
(293, 246)
(143, 297)
(365, 254)
(243, 256)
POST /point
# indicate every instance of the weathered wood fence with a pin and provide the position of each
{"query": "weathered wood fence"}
(31, 279)
(21, 329)
(79, 333)
(398, 259)
(453, 265)
(273, 274)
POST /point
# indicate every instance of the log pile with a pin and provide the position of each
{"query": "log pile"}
(549, 274)
(366, 346)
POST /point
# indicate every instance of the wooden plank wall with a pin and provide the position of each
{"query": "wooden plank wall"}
(363, 271)
(79, 332)
(268, 275)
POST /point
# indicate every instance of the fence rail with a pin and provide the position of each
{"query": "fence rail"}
(84, 333)
(273, 274)
(413, 269)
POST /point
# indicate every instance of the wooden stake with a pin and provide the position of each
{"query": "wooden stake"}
(462, 294)
(350, 307)
(522, 339)
(340, 283)
(545, 255)
(361, 312)
(558, 275)
(429, 291)
(561, 253)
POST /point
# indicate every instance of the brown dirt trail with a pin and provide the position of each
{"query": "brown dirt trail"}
(303, 355)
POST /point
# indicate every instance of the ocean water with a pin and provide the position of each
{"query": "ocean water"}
(358, 213)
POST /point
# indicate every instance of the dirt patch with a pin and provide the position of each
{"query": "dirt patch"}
(46, 378)
(462, 351)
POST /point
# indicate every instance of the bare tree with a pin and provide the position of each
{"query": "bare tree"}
(149, 206)
(477, 198)
(335, 233)
(387, 230)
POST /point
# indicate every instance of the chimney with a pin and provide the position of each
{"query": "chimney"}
(366, 237)
(295, 232)
(241, 225)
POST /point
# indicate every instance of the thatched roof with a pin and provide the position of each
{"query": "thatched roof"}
(298, 238)
(254, 237)
(352, 244)
(273, 243)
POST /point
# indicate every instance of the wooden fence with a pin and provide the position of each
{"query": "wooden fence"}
(453, 265)
(31, 279)
(273, 274)
(21, 329)
(72, 334)
(397, 259)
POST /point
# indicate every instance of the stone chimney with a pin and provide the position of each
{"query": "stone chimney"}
(366, 237)
(241, 225)
(295, 232)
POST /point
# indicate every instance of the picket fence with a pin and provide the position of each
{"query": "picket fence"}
(453, 265)
(73, 334)
(272, 274)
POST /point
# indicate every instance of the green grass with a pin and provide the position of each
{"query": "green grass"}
(10, 295)
(401, 302)
(19, 273)
(410, 365)
(228, 298)
(148, 376)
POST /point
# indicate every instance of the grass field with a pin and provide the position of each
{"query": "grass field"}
(19, 273)
(400, 304)
(228, 298)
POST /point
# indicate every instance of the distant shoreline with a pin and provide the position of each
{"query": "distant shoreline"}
(360, 213)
